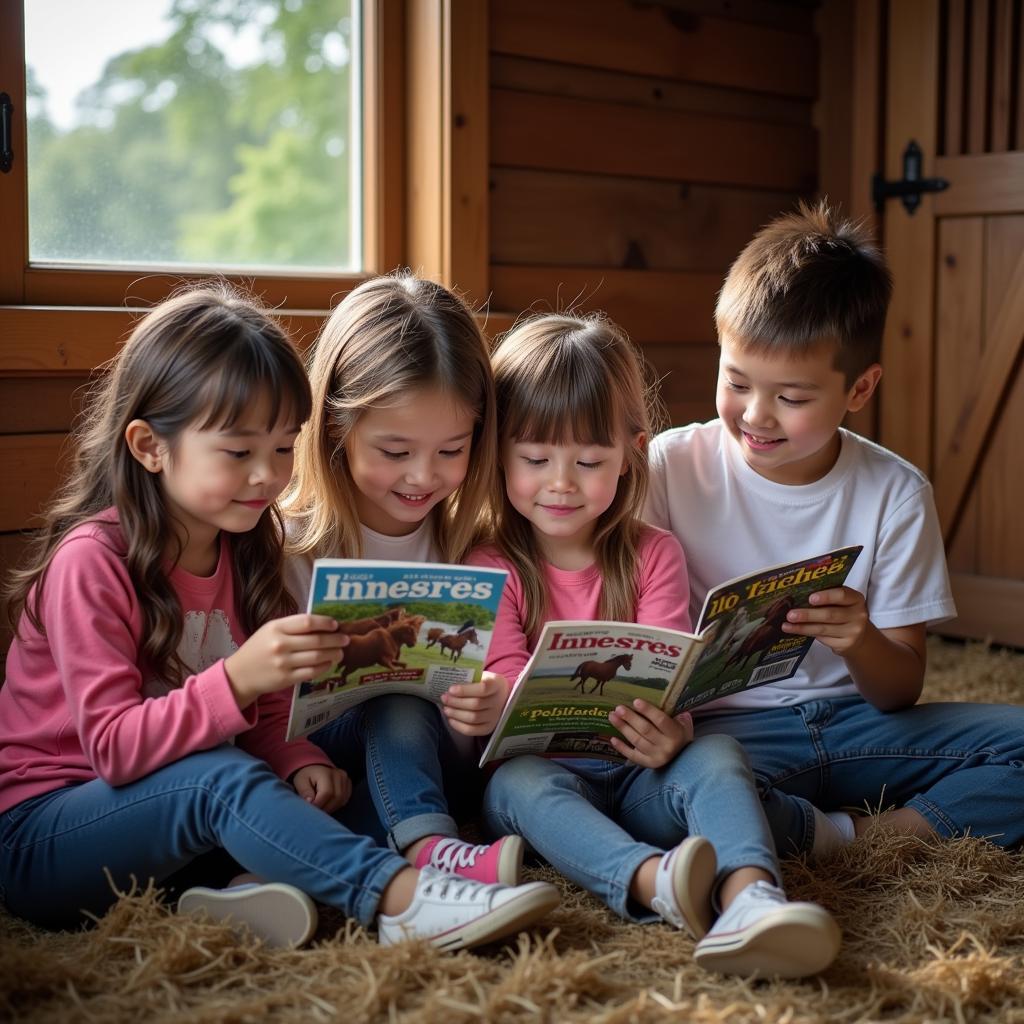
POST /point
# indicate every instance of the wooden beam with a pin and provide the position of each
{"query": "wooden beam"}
(565, 134)
(14, 184)
(653, 39)
(990, 183)
(983, 399)
(653, 307)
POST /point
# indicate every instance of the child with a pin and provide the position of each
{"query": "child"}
(139, 728)
(574, 425)
(396, 463)
(775, 479)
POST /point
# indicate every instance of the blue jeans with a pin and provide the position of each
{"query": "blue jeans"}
(596, 822)
(418, 777)
(56, 846)
(961, 766)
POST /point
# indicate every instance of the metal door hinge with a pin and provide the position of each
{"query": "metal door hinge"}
(910, 187)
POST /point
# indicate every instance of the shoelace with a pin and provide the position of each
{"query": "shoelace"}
(450, 854)
(454, 887)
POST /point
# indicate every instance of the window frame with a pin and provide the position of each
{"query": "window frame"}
(54, 285)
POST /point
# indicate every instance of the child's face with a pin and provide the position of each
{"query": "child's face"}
(784, 412)
(562, 489)
(406, 458)
(224, 479)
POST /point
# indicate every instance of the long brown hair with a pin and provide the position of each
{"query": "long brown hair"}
(563, 379)
(389, 336)
(200, 359)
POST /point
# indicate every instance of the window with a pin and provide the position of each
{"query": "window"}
(194, 133)
(156, 140)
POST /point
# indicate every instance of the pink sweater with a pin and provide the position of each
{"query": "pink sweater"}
(663, 597)
(76, 706)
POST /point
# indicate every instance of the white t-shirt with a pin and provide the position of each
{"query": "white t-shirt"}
(732, 521)
(417, 546)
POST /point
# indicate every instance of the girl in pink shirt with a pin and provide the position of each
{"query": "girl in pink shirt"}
(143, 714)
(676, 830)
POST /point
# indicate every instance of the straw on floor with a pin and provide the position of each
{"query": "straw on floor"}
(933, 931)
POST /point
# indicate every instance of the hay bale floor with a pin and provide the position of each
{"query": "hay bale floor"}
(932, 931)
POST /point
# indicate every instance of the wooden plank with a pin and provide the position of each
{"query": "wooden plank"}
(977, 80)
(37, 405)
(1002, 76)
(31, 467)
(12, 548)
(14, 184)
(77, 286)
(687, 376)
(990, 609)
(867, 154)
(1000, 482)
(984, 398)
(539, 217)
(655, 40)
(653, 307)
(980, 184)
(1018, 136)
(958, 343)
(953, 136)
(833, 113)
(526, 75)
(910, 239)
(74, 340)
(383, 137)
(558, 133)
(798, 16)
(466, 192)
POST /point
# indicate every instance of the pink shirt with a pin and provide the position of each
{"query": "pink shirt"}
(76, 705)
(663, 597)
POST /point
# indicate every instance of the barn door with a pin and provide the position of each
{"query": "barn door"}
(953, 392)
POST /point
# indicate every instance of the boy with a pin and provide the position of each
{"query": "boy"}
(775, 479)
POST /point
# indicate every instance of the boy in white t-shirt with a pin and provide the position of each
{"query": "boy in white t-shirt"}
(775, 479)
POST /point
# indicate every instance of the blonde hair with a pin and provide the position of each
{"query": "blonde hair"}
(389, 336)
(805, 279)
(562, 378)
(199, 359)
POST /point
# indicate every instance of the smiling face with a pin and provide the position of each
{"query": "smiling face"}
(785, 412)
(223, 478)
(562, 490)
(406, 458)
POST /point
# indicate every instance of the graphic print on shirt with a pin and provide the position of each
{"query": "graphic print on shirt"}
(205, 639)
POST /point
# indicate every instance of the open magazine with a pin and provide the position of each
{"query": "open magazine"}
(413, 628)
(582, 670)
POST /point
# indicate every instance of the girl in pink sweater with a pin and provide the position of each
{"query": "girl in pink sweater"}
(143, 714)
(676, 830)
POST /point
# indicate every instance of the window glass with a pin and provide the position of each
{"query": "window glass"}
(194, 132)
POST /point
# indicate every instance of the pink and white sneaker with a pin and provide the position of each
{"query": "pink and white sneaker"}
(500, 861)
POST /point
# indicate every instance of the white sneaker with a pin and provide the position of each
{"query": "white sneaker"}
(761, 932)
(453, 912)
(683, 886)
(279, 914)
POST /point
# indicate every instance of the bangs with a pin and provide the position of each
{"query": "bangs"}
(567, 401)
(251, 372)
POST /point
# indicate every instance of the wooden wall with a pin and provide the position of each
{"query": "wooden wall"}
(634, 149)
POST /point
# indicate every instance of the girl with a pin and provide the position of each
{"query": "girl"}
(574, 426)
(131, 678)
(396, 462)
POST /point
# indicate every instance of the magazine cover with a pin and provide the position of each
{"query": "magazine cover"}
(579, 672)
(413, 628)
(741, 624)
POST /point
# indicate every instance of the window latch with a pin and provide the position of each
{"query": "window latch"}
(6, 145)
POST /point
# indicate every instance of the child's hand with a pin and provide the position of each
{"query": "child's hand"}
(323, 786)
(838, 618)
(651, 738)
(474, 708)
(283, 652)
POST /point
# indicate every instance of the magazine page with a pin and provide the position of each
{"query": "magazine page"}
(742, 624)
(579, 672)
(413, 628)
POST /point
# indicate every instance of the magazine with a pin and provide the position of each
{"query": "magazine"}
(582, 670)
(413, 628)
